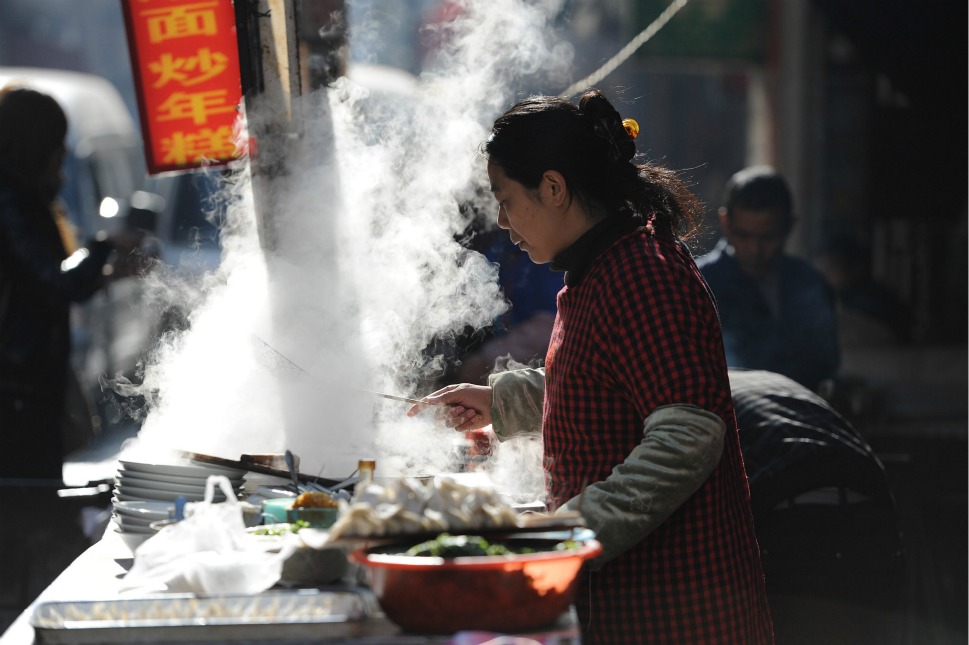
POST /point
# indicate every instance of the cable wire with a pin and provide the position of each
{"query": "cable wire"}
(610, 65)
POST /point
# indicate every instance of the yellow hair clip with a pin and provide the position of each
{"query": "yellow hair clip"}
(632, 128)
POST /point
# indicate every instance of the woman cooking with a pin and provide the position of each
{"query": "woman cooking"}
(634, 403)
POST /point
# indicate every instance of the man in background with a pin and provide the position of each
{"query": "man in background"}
(777, 311)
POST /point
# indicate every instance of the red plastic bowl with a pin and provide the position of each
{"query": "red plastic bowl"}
(510, 593)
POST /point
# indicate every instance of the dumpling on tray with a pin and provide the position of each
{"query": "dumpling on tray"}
(409, 506)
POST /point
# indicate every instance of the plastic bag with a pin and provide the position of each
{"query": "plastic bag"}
(209, 552)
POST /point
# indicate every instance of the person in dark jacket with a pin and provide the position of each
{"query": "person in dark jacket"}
(776, 310)
(39, 279)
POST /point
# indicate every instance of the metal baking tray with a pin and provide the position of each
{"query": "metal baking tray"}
(303, 615)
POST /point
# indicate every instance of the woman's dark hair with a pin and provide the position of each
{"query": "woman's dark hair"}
(32, 128)
(589, 145)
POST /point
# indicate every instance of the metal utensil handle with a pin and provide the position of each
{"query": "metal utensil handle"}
(274, 360)
(279, 362)
(293, 473)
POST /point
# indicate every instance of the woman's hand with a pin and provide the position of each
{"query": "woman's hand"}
(468, 406)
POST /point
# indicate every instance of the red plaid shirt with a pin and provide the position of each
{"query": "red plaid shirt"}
(641, 331)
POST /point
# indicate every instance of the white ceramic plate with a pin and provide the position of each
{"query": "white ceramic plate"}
(133, 526)
(157, 484)
(165, 487)
(133, 493)
(129, 520)
(149, 511)
(130, 475)
(122, 497)
(182, 471)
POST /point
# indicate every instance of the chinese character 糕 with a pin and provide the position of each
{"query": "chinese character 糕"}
(182, 148)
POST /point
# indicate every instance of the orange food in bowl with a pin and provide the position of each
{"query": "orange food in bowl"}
(314, 499)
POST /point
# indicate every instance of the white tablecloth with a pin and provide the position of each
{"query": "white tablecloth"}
(97, 575)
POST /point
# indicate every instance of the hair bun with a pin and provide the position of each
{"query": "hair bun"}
(609, 126)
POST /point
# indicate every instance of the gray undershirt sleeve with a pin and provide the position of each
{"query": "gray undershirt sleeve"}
(516, 403)
(681, 446)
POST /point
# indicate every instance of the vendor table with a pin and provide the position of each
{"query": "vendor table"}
(97, 576)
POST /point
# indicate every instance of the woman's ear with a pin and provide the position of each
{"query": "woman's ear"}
(555, 187)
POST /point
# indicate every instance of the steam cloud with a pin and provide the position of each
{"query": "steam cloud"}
(367, 268)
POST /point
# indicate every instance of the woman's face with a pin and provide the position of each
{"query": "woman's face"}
(531, 223)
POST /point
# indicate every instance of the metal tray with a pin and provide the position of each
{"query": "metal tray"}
(304, 615)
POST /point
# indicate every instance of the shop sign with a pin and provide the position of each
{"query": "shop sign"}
(185, 61)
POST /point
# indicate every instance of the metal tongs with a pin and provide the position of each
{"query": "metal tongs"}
(393, 397)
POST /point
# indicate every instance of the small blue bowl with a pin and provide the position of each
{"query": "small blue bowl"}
(278, 508)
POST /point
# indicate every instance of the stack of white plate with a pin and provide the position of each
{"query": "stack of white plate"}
(145, 492)
(138, 481)
(136, 517)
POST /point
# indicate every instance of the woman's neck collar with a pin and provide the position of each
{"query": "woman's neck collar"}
(578, 257)
(578, 220)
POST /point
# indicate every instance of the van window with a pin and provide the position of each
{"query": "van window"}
(116, 171)
(105, 172)
(80, 195)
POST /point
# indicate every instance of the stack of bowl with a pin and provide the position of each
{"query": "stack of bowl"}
(136, 517)
(146, 492)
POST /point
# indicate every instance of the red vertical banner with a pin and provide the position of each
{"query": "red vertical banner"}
(185, 61)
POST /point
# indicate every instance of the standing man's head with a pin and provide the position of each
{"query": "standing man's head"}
(756, 218)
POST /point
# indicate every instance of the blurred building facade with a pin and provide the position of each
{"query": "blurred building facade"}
(858, 103)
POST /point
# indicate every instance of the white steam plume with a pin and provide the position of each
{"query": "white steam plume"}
(367, 271)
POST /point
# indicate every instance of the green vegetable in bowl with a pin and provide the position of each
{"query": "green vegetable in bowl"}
(457, 546)
(281, 529)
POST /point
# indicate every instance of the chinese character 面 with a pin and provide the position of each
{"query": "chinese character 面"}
(181, 21)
